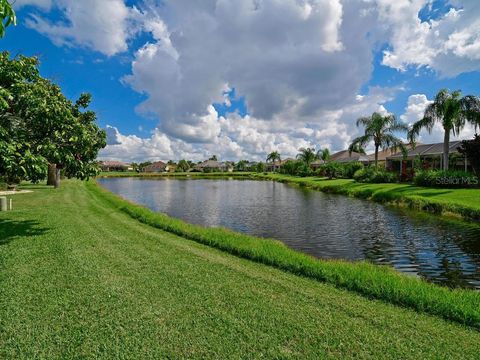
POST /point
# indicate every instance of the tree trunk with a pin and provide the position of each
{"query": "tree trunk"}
(52, 171)
(376, 155)
(57, 178)
(446, 148)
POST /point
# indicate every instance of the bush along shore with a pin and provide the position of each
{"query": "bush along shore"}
(463, 203)
(372, 281)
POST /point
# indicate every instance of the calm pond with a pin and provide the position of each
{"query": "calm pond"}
(323, 225)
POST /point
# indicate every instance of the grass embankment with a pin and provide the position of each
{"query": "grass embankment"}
(379, 282)
(79, 279)
(464, 203)
(175, 174)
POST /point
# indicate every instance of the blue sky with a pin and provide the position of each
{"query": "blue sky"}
(175, 79)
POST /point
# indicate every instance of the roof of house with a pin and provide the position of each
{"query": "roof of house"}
(427, 150)
(346, 156)
(210, 164)
(113, 163)
(382, 155)
(156, 165)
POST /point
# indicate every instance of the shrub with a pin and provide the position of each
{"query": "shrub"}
(442, 178)
(350, 168)
(331, 170)
(296, 168)
(335, 169)
(374, 174)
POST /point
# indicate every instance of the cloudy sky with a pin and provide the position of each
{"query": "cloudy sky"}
(176, 79)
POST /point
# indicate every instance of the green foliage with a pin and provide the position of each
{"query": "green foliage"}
(471, 149)
(7, 16)
(381, 131)
(373, 174)
(308, 155)
(445, 178)
(273, 156)
(213, 157)
(296, 168)
(336, 170)
(332, 170)
(453, 112)
(47, 127)
(259, 167)
(367, 279)
(241, 165)
(18, 160)
(182, 166)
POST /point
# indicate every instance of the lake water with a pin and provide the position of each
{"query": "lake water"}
(323, 225)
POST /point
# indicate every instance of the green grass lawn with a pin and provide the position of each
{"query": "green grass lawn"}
(463, 202)
(79, 279)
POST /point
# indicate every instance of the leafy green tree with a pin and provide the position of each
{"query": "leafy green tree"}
(453, 112)
(7, 16)
(380, 129)
(214, 158)
(241, 165)
(183, 166)
(260, 167)
(64, 133)
(308, 155)
(18, 162)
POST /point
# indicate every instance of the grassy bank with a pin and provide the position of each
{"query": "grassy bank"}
(80, 279)
(175, 174)
(464, 203)
(367, 279)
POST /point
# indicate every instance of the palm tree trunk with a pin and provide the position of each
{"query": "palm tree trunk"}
(376, 155)
(446, 148)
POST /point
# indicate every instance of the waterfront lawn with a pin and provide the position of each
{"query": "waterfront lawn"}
(79, 279)
(465, 202)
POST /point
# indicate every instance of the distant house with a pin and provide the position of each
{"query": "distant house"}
(213, 166)
(430, 157)
(346, 156)
(156, 167)
(114, 166)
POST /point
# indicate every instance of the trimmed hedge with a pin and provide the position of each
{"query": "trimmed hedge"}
(373, 281)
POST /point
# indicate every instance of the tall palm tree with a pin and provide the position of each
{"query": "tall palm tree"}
(453, 112)
(307, 155)
(323, 154)
(380, 129)
(272, 157)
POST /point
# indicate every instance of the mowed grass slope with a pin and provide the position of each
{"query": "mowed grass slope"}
(79, 279)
